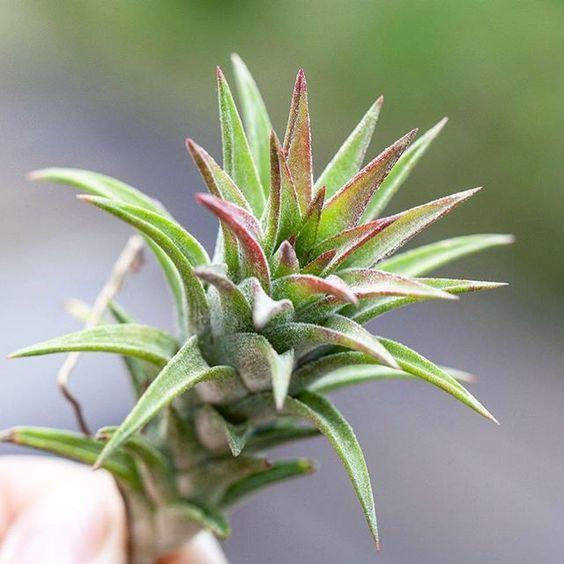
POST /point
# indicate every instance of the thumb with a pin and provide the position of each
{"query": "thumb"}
(80, 520)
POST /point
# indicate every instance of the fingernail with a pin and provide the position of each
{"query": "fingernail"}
(74, 524)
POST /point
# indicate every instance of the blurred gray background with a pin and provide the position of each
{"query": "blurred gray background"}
(116, 86)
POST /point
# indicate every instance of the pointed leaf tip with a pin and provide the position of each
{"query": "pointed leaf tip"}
(347, 206)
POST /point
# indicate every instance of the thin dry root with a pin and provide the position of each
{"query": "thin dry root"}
(130, 260)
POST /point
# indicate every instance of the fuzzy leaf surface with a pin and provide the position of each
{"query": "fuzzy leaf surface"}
(129, 339)
(413, 363)
(338, 331)
(237, 159)
(378, 306)
(184, 371)
(194, 294)
(408, 225)
(353, 375)
(75, 447)
(297, 143)
(344, 210)
(254, 483)
(247, 231)
(334, 426)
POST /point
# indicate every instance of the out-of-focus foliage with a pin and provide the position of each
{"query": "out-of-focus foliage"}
(492, 67)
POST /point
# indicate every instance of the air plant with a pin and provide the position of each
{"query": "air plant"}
(266, 327)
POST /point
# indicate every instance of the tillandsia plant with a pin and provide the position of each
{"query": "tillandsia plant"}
(267, 326)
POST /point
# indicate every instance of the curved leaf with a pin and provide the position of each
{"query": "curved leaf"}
(129, 339)
(353, 375)
(338, 330)
(195, 296)
(235, 309)
(76, 447)
(350, 156)
(413, 363)
(299, 288)
(98, 185)
(184, 371)
(239, 222)
(278, 471)
(219, 183)
(334, 426)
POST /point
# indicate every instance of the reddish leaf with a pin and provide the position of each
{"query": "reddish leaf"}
(245, 228)
(346, 207)
(297, 142)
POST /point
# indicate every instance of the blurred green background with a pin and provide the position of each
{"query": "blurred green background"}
(117, 86)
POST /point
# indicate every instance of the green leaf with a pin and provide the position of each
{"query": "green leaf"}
(154, 467)
(141, 373)
(184, 371)
(76, 447)
(409, 224)
(188, 245)
(284, 261)
(401, 171)
(373, 308)
(307, 235)
(334, 426)
(307, 374)
(368, 283)
(350, 156)
(276, 433)
(297, 143)
(283, 217)
(254, 262)
(301, 288)
(255, 116)
(265, 309)
(338, 330)
(258, 364)
(319, 264)
(179, 252)
(129, 339)
(353, 375)
(208, 518)
(422, 260)
(344, 210)
(278, 472)
(98, 185)
(236, 314)
(237, 158)
(216, 433)
(413, 363)
(219, 183)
